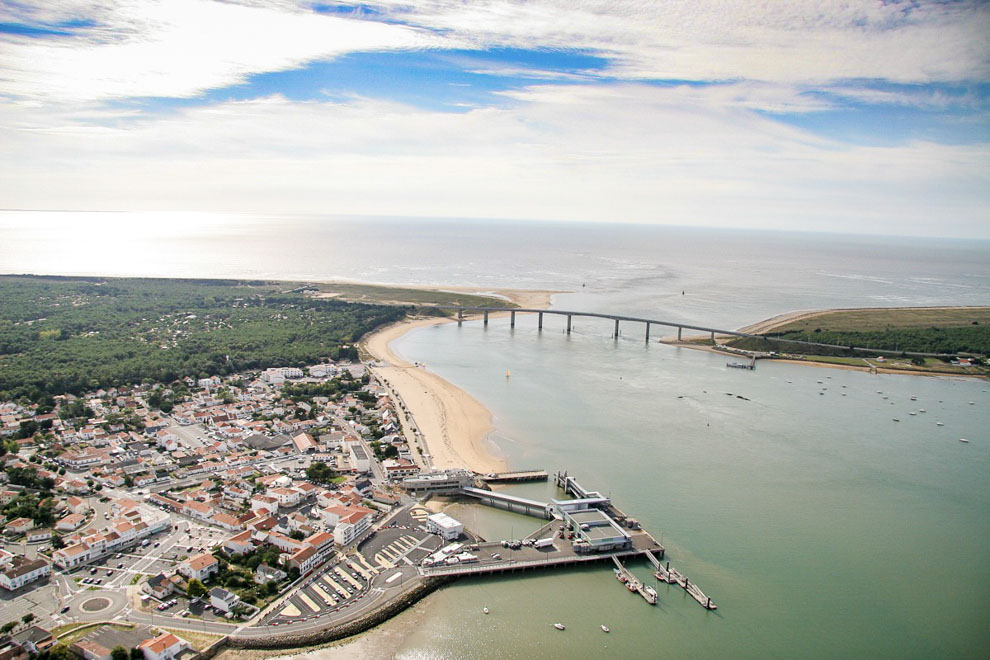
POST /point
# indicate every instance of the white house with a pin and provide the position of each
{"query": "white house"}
(164, 647)
(23, 571)
(222, 599)
(199, 567)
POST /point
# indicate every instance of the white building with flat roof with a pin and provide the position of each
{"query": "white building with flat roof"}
(448, 528)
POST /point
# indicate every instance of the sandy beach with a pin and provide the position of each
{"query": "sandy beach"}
(454, 425)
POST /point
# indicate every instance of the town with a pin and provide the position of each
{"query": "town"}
(202, 500)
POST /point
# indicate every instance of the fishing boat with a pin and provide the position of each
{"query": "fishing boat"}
(605, 628)
(558, 626)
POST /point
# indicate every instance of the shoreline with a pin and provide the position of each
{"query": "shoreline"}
(455, 427)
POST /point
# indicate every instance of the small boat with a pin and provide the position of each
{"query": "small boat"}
(558, 626)
(507, 373)
(895, 419)
(939, 424)
(963, 440)
(921, 410)
(485, 610)
(912, 413)
(914, 398)
(605, 628)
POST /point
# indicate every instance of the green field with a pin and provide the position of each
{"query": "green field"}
(946, 331)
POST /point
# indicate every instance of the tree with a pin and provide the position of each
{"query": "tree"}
(57, 542)
(27, 618)
(61, 652)
(195, 589)
(137, 654)
(119, 653)
(296, 535)
(7, 627)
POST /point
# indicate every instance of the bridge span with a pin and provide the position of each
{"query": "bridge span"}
(485, 311)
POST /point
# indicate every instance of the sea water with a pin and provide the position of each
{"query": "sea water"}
(820, 527)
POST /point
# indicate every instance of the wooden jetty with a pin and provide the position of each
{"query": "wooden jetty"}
(517, 476)
(634, 585)
(673, 576)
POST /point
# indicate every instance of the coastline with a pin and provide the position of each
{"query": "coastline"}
(454, 425)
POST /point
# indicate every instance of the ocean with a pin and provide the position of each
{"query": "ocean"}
(820, 527)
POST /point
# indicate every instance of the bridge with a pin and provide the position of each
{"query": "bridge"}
(570, 314)
(485, 311)
(508, 502)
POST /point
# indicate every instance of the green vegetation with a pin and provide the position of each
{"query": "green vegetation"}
(914, 330)
(28, 505)
(320, 473)
(71, 335)
(71, 633)
(195, 589)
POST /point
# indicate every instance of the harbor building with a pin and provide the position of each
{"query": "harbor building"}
(448, 528)
(448, 481)
(595, 531)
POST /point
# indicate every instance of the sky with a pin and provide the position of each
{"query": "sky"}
(817, 115)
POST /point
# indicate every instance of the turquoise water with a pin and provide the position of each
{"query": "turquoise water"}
(819, 526)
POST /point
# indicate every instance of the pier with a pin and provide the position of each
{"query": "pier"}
(628, 579)
(508, 502)
(517, 476)
(672, 576)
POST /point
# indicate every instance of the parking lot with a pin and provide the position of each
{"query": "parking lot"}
(339, 587)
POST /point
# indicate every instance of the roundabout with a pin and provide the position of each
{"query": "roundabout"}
(95, 606)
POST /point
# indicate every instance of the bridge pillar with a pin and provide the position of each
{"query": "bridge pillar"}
(460, 316)
(713, 336)
(647, 332)
(679, 328)
(512, 319)
(616, 336)
(486, 317)
(568, 324)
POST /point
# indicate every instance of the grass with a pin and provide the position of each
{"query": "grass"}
(199, 640)
(136, 579)
(860, 320)
(71, 633)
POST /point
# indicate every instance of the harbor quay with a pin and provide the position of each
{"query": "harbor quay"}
(413, 552)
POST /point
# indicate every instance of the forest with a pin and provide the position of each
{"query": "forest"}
(71, 335)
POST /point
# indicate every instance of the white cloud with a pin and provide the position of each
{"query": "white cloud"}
(625, 152)
(179, 48)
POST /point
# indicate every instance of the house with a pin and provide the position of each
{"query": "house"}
(164, 647)
(70, 522)
(351, 526)
(304, 560)
(23, 571)
(399, 469)
(263, 505)
(199, 567)
(285, 496)
(73, 555)
(18, 526)
(34, 639)
(77, 505)
(39, 535)
(304, 443)
(223, 600)
(159, 586)
(265, 573)
(240, 544)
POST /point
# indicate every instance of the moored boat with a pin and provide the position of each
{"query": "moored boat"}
(558, 626)
(605, 628)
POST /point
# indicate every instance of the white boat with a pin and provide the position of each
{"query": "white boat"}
(963, 440)
(895, 419)
(939, 424)
(605, 628)
(485, 610)
(558, 626)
